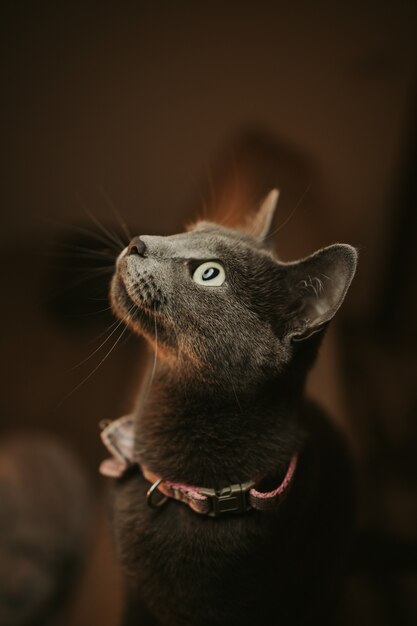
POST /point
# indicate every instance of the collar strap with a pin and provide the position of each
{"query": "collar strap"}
(118, 437)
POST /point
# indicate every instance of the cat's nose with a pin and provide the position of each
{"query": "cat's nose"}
(136, 246)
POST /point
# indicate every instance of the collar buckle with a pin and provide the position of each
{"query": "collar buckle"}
(230, 499)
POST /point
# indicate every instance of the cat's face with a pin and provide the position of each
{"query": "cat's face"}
(217, 298)
(205, 294)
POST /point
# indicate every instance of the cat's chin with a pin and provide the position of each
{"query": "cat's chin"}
(124, 307)
(140, 318)
(121, 302)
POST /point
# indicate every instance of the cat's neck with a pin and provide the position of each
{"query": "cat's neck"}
(214, 435)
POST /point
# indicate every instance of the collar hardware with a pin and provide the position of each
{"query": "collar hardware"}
(119, 439)
(230, 499)
(150, 497)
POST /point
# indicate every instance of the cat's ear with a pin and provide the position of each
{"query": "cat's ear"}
(261, 224)
(318, 286)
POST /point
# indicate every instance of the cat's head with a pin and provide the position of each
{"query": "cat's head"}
(217, 299)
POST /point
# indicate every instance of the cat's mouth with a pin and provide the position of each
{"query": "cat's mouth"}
(127, 304)
(119, 297)
(139, 290)
(143, 292)
(139, 309)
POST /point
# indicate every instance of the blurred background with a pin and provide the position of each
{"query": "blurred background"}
(153, 114)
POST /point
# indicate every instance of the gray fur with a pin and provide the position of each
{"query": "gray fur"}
(223, 404)
(243, 328)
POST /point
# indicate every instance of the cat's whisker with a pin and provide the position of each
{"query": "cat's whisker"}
(82, 231)
(98, 365)
(105, 331)
(81, 268)
(84, 248)
(98, 299)
(114, 237)
(98, 312)
(126, 339)
(173, 328)
(76, 250)
(76, 283)
(91, 256)
(156, 349)
(155, 360)
(116, 213)
(235, 394)
(173, 325)
(103, 343)
(291, 214)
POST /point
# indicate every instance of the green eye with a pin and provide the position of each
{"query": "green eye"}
(210, 274)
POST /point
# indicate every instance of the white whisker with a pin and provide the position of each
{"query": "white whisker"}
(83, 231)
(155, 359)
(156, 349)
(291, 215)
(103, 343)
(75, 283)
(115, 212)
(98, 365)
(235, 394)
(112, 236)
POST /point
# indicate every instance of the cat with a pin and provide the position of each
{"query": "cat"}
(223, 425)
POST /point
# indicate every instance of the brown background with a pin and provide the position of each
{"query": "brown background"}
(170, 111)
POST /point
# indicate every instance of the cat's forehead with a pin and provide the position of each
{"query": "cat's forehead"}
(202, 240)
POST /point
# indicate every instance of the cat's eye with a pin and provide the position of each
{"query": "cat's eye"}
(210, 274)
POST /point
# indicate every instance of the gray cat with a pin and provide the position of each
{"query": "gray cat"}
(248, 516)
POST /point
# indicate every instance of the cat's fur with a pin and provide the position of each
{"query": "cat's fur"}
(225, 404)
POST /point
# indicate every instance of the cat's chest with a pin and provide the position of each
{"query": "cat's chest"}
(179, 551)
(208, 443)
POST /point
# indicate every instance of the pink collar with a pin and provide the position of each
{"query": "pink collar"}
(118, 437)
